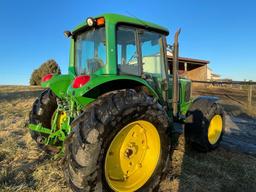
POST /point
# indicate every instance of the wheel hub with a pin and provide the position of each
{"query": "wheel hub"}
(132, 156)
(215, 129)
(131, 150)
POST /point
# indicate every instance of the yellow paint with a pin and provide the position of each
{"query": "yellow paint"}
(132, 156)
(215, 129)
(60, 119)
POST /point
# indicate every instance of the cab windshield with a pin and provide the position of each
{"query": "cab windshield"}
(90, 51)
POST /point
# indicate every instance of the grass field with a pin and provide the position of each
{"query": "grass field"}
(25, 168)
(22, 166)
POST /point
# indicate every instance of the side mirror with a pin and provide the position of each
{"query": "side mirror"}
(67, 34)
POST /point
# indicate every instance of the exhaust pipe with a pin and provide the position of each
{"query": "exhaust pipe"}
(175, 77)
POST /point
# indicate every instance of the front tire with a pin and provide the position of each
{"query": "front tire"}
(206, 126)
(108, 127)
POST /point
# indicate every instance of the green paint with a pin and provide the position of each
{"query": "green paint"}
(74, 100)
(59, 84)
(39, 128)
(97, 80)
(184, 105)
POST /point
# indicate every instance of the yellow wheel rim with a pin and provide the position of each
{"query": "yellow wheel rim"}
(215, 129)
(60, 119)
(132, 156)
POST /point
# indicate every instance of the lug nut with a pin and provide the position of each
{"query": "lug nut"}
(40, 111)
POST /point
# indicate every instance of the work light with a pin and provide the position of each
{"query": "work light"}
(90, 21)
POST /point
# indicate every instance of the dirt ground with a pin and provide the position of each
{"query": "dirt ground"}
(25, 168)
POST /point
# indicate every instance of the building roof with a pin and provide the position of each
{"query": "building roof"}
(190, 60)
(191, 63)
(215, 75)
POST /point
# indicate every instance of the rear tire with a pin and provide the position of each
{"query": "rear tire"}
(198, 131)
(94, 130)
(42, 111)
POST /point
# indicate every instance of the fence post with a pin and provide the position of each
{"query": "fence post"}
(250, 95)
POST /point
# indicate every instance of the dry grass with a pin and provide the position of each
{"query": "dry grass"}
(22, 166)
(25, 168)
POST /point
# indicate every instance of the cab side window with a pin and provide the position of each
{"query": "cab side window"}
(152, 54)
(127, 56)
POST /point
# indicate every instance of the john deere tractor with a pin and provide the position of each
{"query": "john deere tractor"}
(112, 114)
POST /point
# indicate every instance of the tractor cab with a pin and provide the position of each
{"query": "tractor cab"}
(128, 49)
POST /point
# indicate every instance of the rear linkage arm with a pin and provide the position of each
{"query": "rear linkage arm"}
(72, 108)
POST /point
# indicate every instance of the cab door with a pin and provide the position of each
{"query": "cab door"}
(153, 60)
(141, 53)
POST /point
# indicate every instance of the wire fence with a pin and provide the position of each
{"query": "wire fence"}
(242, 93)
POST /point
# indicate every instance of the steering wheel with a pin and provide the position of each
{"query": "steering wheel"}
(94, 64)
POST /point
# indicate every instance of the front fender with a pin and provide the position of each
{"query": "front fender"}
(202, 103)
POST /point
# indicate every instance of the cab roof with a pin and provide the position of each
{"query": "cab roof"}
(115, 19)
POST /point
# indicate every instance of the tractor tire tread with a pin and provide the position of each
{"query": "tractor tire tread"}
(196, 133)
(85, 146)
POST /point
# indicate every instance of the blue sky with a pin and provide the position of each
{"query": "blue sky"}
(221, 31)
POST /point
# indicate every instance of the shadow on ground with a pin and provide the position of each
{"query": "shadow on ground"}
(23, 174)
(10, 96)
(216, 171)
(230, 168)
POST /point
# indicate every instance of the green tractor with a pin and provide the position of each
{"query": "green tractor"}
(112, 114)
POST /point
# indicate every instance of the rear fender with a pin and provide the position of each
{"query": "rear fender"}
(99, 85)
(58, 84)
